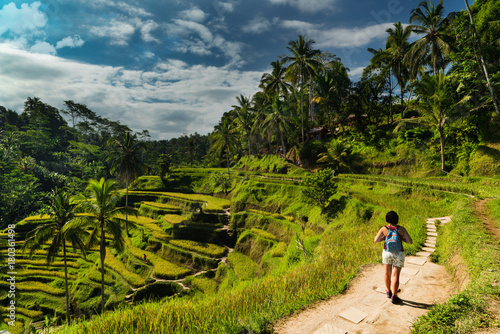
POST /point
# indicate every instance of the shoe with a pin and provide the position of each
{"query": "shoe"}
(389, 294)
(396, 300)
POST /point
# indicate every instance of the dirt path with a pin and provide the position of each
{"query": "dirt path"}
(482, 212)
(364, 308)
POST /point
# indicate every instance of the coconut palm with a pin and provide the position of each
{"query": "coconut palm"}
(303, 64)
(481, 58)
(244, 118)
(436, 42)
(224, 138)
(435, 106)
(61, 228)
(101, 212)
(274, 83)
(382, 62)
(126, 161)
(397, 46)
(278, 121)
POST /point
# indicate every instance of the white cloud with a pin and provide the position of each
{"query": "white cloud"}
(339, 37)
(194, 14)
(70, 42)
(118, 31)
(27, 20)
(43, 47)
(185, 28)
(171, 99)
(223, 7)
(199, 40)
(146, 29)
(310, 6)
(356, 72)
(257, 25)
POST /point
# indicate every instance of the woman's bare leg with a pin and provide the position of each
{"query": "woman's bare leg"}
(395, 280)
(387, 276)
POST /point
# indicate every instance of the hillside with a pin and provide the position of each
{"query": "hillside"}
(238, 262)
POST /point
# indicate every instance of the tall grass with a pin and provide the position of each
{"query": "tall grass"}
(200, 247)
(132, 278)
(162, 268)
(468, 251)
(346, 245)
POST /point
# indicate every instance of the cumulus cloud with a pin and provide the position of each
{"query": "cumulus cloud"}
(194, 14)
(339, 37)
(169, 100)
(43, 47)
(27, 20)
(70, 42)
(355, 73)
(309, 6)
(257, 25)
(118, 31)
(146, 29)
(199, 40)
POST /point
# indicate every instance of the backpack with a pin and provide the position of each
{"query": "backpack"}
(393, 241)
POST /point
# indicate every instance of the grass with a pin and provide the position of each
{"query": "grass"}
(39, 286)
(46, 273)
(462, 242)
(174, 219)
(162, 268)
(200, 247)
(132, 278)
(212, 204)
(149, 224)
(70, 264)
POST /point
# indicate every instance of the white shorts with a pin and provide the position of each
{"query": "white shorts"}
(396, 259)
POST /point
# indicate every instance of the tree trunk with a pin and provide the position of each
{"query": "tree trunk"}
(483, 64)
(103, 255)
(390, 98)
(66, 282)
(441, 138)
(227, 159)
(302, 107)
(126, 203)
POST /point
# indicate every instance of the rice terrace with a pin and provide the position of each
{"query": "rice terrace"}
(267, 223)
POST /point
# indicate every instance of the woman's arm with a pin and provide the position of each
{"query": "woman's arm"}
(380, 235)
(406, 236)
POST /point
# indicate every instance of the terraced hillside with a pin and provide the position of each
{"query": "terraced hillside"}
(182, 244)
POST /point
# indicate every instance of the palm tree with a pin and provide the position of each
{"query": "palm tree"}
(324, 94)
(382, 61)
(303, 65)
(397, 46)
(60, 229)
(436, 106)
(274, 83)
(244, 118)
(101, 211)
(224, 139)
(481, 58)
(436, 43)
(339, 156)
(126, 161)
(278, 121)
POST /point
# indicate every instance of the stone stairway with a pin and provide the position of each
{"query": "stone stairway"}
(366, 309)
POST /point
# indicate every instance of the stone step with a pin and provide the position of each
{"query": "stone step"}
(330, 329)
(353, 315)
(417, 261)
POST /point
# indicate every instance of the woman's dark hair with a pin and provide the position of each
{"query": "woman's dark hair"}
(392, 218)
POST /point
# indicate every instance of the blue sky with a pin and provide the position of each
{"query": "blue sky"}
(173, 66)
